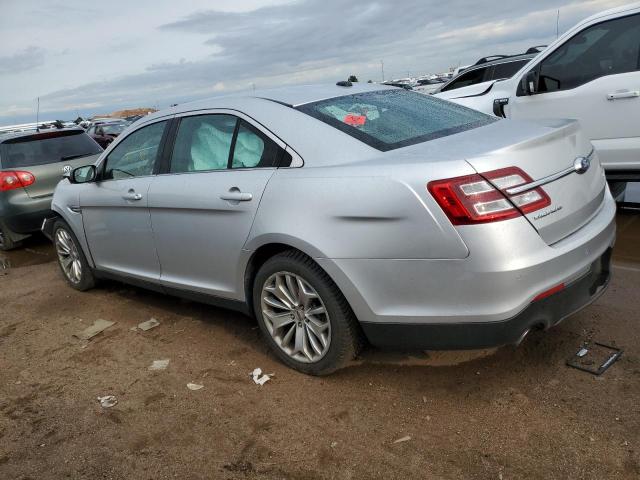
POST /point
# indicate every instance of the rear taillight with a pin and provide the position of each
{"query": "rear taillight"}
(482, 198)
(11, 180)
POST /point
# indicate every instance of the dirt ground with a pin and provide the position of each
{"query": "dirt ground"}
(510, 413)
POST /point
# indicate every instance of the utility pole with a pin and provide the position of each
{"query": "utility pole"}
(558, 25)
(38, 115)
(382, 67)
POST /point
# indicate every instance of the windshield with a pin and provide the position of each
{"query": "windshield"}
(390, 119)
(44, 148)
(112, 129)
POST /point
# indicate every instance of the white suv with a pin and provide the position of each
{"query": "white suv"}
(591, 73)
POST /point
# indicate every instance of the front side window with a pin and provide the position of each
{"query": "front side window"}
(390, 119)
(608, 48)
(136, 155)
(203, 143)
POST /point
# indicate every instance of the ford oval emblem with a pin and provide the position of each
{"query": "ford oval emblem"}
(581, 164)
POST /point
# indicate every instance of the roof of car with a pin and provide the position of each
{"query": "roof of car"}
(290, 96)
(502, 59)
(43, 131)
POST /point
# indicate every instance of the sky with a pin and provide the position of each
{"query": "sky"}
(87, 58)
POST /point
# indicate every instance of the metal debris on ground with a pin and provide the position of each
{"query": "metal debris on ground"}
(403, 439)
(159, 364)
(595, 358)
(148, 325)
(194, 386)
(97, 327)
(259, 378)
(108, 401)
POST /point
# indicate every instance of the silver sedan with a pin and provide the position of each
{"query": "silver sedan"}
(346, 214)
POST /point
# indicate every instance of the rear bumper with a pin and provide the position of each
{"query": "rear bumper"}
(23, 214)
(25, 223)
(546, 312)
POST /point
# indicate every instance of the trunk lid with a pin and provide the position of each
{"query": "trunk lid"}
(46, 155)
(549, 155)
(48, 175)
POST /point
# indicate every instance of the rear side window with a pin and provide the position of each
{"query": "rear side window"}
(203, 143)
(391, 119)
(252, 149)
(469, 77)
(45, 148)
(220, 141)
(507, 70)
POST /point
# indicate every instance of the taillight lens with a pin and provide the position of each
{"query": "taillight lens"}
(11, 180)
(482, 198)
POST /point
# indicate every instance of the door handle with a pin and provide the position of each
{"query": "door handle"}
(620, 95)
(132, 195)
(235, 195)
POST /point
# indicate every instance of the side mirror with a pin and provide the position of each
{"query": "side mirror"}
(84, 174)
(530, 81)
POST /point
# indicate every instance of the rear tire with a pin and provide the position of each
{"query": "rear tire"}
(6, 239)
(71, 259)
(303, 316)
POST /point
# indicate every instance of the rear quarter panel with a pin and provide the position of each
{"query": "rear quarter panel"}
(359, 211)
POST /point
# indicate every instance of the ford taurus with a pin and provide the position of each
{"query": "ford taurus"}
(343, 214)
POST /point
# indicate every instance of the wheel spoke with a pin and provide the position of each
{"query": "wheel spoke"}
(282, 293)
(279, 320)
(291, 289)
(66, 262)
(275, 302)
(76, 270)
(304, 294)
(286, 340)
(312, 339)
(318, 331)
(317, 310)
(299, 343)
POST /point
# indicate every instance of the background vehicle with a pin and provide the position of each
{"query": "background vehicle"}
(592, 74)
(31, 164)
(105, 133)
(485, 72)
(428, 85)
(330, 210)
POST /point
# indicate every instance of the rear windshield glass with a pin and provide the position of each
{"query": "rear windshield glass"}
(391, 119)
(47, 147)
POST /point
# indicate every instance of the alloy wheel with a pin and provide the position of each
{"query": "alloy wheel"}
(296, 317)
(68, 256)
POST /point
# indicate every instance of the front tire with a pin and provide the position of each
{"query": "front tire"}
(304, 317)
(71, 259)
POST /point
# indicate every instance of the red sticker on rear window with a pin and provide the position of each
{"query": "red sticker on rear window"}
(355, 120)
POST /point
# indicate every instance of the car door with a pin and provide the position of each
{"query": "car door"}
(203, 206)
(115, 208)
(593, 77)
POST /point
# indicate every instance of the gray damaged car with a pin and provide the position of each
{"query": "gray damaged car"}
(344, 214)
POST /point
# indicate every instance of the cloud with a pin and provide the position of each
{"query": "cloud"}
(325, 40)
(27, 59)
